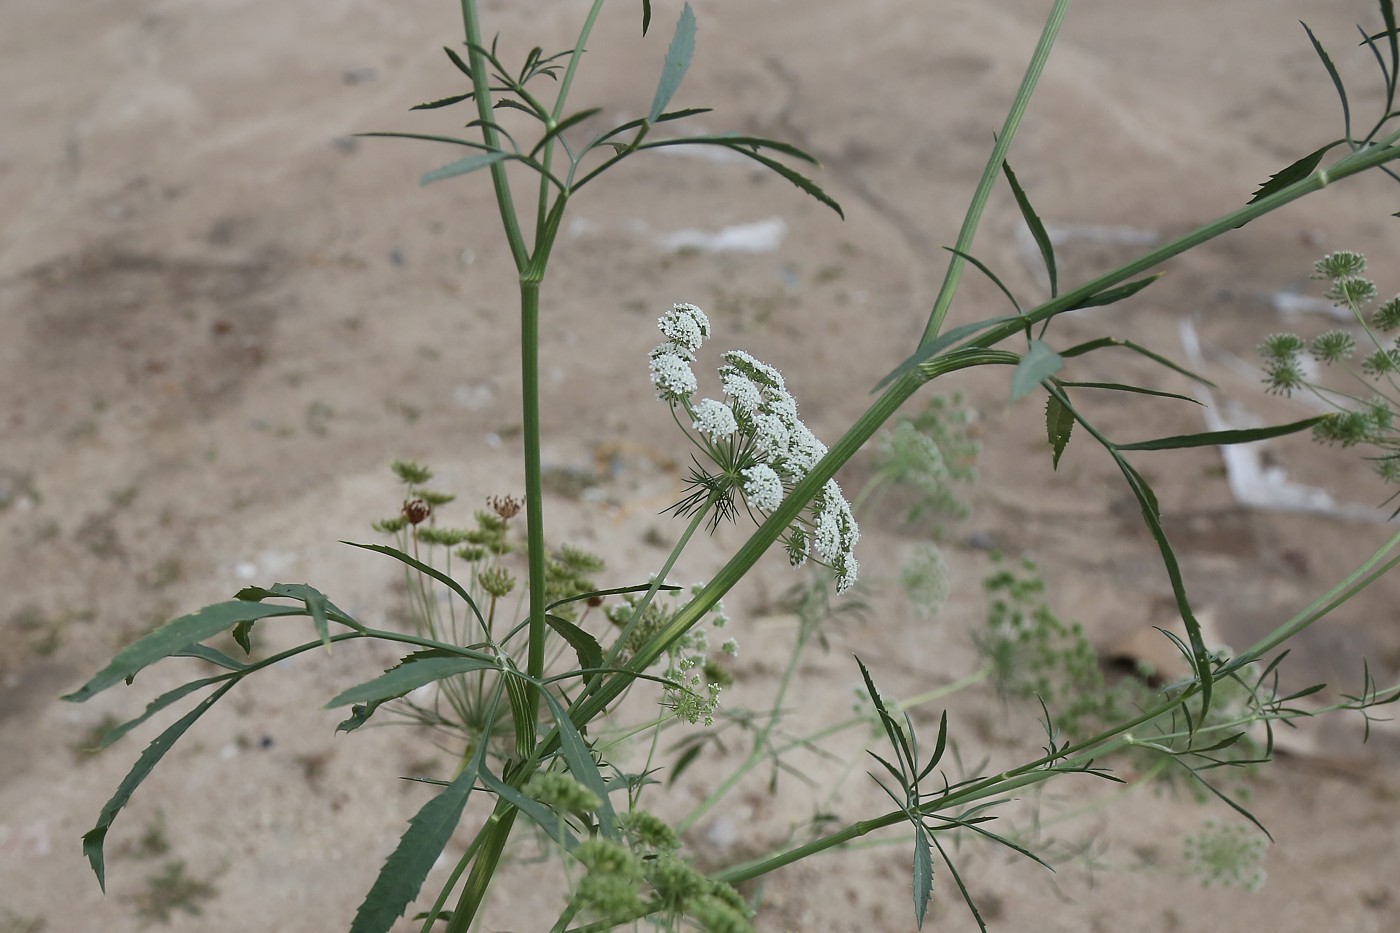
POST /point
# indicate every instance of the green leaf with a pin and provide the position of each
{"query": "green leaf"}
(686, 759)
(359, 715)
(646, 16)
(1039, 364)
(176, 636)
(457, 60)
(94, 839)
(941, 343)
(938, 748)
(579, 758)
(986, 270)
(427, 835)
(430, 570)
(547, 819)
(155, 706)
(443, 102)
(463, 166)
(1223, 438)
(923, 873)
(797, 178)
(896, 735)
(678, 58)
(615, 591)
(590, 653)
(563, 125)
(414, 671)
(1293, 173)
(1122, 387)
(1336, 82)
(1115, 295)
(1152, 516)
(1059, 422)
(1101, 342)
(1037, 229)
(211, 655)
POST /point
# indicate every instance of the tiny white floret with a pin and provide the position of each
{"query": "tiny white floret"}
(715, 420)
(686, 326)
(762, 487)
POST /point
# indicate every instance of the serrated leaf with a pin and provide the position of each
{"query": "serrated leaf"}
(1059, 422)
(176, 636)
(678, 58)
(923, 874)
(1293, 173)
(155, 706)
(797, 178)
(586, 647)
(359, 715)
(443, 102)
(95, 838)
(1039, 364)
(462, 167)
(1037, 229)
(1223, 438)
(427, 835)
(408, 675)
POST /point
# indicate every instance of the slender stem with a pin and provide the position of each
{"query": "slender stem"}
(557, 114)
(481, 87)
(992, 170)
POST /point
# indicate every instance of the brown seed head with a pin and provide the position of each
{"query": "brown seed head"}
(505, 506)
(416, 511)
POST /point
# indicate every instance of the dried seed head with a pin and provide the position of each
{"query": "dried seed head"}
(505, 506)
(416, 511)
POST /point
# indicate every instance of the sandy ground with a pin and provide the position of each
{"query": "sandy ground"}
(222, 317)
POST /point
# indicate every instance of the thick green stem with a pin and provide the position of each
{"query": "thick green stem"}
(534, 489)
(992, 170)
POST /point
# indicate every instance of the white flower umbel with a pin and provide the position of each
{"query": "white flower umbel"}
(686, 326)
(671, 375)
(759, 444)
(762, 487)
(715, 420)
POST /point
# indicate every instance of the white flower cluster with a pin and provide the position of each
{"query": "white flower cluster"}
(756, 429)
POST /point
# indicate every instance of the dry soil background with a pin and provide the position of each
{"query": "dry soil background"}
(221, 315)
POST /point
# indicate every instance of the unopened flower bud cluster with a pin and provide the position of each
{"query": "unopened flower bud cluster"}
(756, 438)
(1290, 364)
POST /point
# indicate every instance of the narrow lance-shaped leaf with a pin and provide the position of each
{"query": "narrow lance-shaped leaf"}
(646, 16)
(1039, 364)
(941, 343)
(176, 636)
(443, 102)
(155, 706)
(1102, 342)
(404, 871)
(1059, 422)
(1115, 295)
(462, 166)
(428, 569)
(1223, 438)
(1037, 229)
(987, 271)
(678, 58)
(554, 827)
(94, 839)
(582, 766)
(1336, 79)
(797, 178)
(412, 672)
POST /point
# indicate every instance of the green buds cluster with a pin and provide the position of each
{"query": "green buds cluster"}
(1227, 855)
(1290, 363)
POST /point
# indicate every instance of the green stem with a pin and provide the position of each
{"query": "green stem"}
(534, 487)
(481, 87)
(1350, 165)
(557, 114)
(992, 170)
